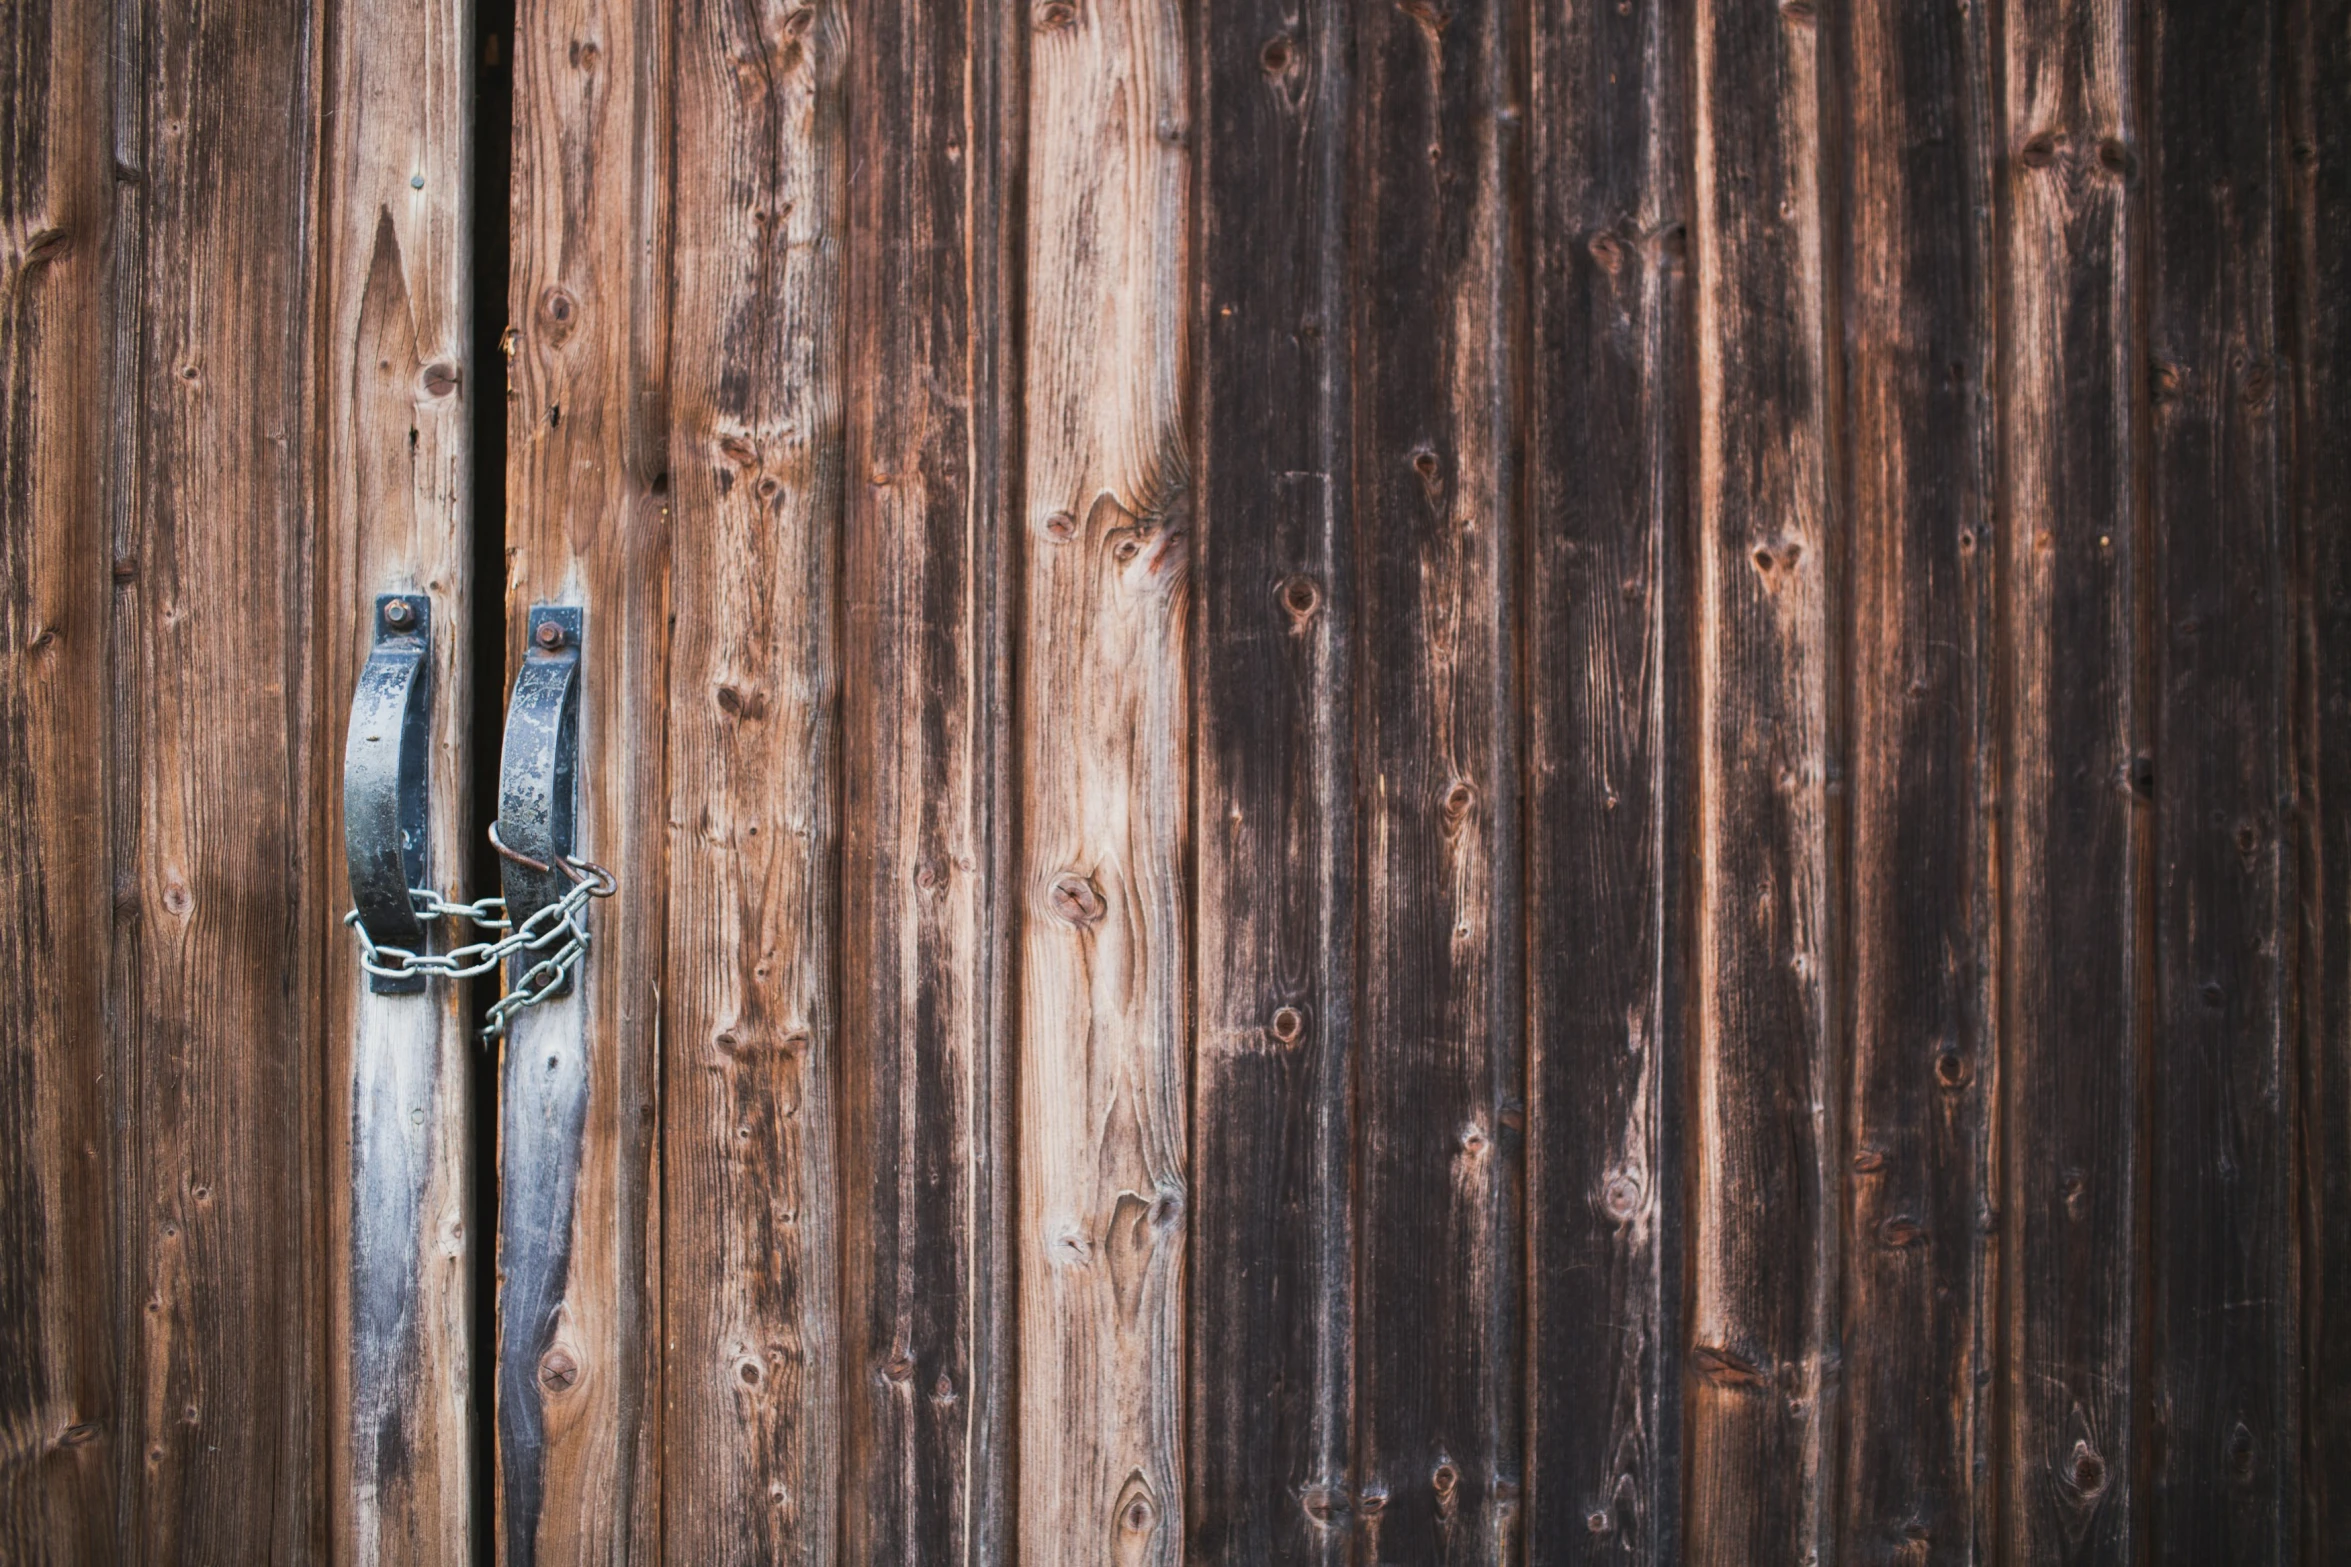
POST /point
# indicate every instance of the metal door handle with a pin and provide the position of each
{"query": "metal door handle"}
(384, 780)
(538, 786)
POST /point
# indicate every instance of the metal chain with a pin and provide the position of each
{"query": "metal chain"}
(557, 934)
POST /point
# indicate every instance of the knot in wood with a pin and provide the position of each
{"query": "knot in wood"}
(557, 1370)
(1288, 1024)
(1301, 597)
(1076, 900)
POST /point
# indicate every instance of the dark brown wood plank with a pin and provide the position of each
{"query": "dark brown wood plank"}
(1768, 1090)
(62, 1435)
(579, 1373)
(1608, 598)
(2314, 181)
(1440, 1066)
(2221, 1261)
(924, 1129)
(396, 406)
(751, 1018)
(1918, 285)
(2073, 868)
(224, 864)
(1104, 785)
(1272, 1406)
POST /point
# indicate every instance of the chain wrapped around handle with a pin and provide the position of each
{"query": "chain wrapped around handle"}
(556, 936)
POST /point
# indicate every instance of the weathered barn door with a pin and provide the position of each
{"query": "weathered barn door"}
(1352, 783)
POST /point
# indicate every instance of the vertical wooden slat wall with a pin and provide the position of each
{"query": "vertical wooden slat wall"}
(65, 1478)
(2078, 776)
(1445, 782)
(2312, 146)
(1914, 1182)
(396, 396)
(1270, 1401)
(582, 1340)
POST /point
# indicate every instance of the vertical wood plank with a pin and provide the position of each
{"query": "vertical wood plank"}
(578, 1383)
(751, 1448)
(1102, 1063)
(1608, 787)
(1920, 308)
(1765, 1254)
(2221, 1260)
(224, 872)
(396, 289)
(2315, 187)
(925, 1127)
(1271, 1405)
(1440, 1022)
(2073, 863)
(61, 1415)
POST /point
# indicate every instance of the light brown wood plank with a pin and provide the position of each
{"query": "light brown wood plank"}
(224, 868)
(925, 1123)
(1103, 793)
(1764, 1236)
(61, 1430)
(395, 401)
(2074, 841)
(588, 524)
(752, 1436)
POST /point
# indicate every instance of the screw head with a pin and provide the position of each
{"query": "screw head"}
(550, 635)
(399, 614)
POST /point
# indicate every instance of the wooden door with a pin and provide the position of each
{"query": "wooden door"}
(1386, 784)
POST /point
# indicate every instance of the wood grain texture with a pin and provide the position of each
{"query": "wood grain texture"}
(1919, 1192)
(2314, 189)
(1271, 1401)
(1440, 1069)
(223, 863)
(1609, 799)
(2222, 1342)
(1103, 789)
(62, 1432)
(925, 1122)
(395, 404)
(587, 523)
(751, 1187)
(1766, 1100)
(2079, 769)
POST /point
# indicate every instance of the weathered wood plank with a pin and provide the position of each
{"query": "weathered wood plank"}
(2073, 863)
(2315, 189)
(1103, 792)
(223, 864)
(750, 1307)
(395, 401)
(1271, 1406)
(1764, 1231)
(925, 1128)
(578, 1382)
(1608, 595)
(62, 1431)
(1918, 281)
(1440, 1022)
(2221, 1339)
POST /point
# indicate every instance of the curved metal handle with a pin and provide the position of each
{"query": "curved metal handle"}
(384, 779)
(538, 770)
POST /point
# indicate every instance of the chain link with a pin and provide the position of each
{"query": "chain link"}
(557, 936)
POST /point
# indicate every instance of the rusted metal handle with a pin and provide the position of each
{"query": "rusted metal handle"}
(385, 772)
